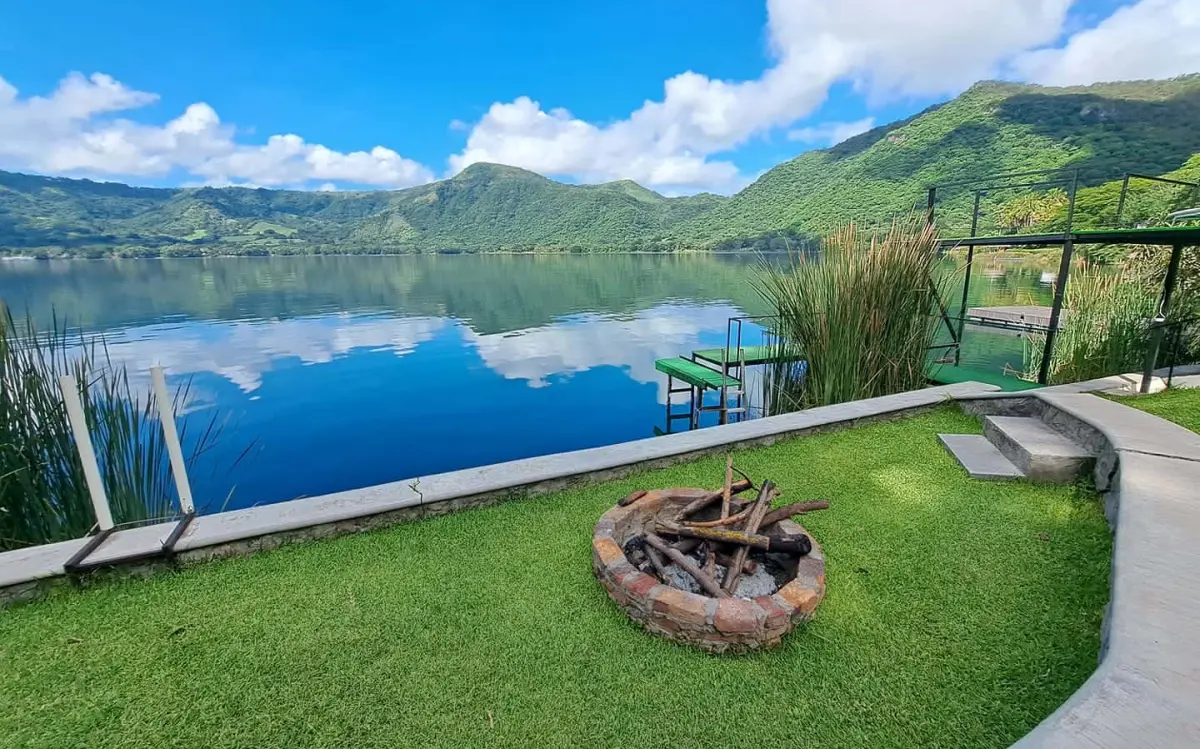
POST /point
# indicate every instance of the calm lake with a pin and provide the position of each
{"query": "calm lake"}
(351, 371)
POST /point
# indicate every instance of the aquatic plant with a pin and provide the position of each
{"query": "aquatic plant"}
(1104, 329)
(43, 492)
(860, 312)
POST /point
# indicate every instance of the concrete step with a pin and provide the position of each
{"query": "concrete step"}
(981, 458)
(1038, 450)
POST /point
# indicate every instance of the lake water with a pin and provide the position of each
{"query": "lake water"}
(351, 371)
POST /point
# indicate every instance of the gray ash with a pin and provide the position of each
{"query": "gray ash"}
(772, 571)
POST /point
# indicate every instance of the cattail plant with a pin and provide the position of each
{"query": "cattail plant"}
(1104, 329)
(860, 314)
(43, 492)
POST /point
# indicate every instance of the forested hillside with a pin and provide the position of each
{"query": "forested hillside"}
(487, 207)
(1103, 131)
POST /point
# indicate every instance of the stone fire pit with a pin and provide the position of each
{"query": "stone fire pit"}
(718, 625)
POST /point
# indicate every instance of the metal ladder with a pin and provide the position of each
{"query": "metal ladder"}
(733, 365)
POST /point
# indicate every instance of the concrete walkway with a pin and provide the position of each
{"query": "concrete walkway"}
(1146, 690)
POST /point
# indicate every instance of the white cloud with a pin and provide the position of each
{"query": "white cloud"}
(679, 142)
(71, 131)
(886, 48)
(242, 352)
(588, 341)
(1150, 39)
(831, 133)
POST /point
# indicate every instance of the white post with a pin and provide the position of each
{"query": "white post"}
(166, 415)
(87, 455)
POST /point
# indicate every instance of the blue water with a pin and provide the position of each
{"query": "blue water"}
(343, 372)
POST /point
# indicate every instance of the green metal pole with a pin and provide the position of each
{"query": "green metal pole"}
(962, 308)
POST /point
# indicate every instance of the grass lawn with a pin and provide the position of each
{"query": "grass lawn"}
(959, 614)
(1181, 406)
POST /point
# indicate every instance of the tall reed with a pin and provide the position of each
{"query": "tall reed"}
(860, 313)
(1104, 329)
(43, 492)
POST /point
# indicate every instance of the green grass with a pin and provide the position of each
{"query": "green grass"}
(1181, 406)
(958, 614)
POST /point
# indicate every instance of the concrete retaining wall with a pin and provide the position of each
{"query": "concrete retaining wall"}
(25, 573)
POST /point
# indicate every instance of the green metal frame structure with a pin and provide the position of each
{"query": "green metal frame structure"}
(1175, 237)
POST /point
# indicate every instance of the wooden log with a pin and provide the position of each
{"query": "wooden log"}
(756, 515)
(686, 545)
(707, 583)
(656, 559)
(750, 567)
(796, 508)
(631, 498)
(798, 546)
(720, 522)
(721, 535)
(773, 542)
(728, 487)
(699, 504)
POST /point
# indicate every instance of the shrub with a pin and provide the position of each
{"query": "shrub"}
(43, 492)
(860, 313)
(1103, 329)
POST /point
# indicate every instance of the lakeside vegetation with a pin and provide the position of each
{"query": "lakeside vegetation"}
(859, 312)
(960, 613)
(1103, 130)
(43, 491)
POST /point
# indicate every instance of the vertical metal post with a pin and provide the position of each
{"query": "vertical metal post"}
(670, 388)
(1164, 306)
(1121, 202)
(166, 416)
(962, 309)
(87, 455)
(1064, 274)
(1158, 325)
(932, 200)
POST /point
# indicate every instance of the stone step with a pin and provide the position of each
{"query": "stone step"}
(1038, 450)
(981, 458)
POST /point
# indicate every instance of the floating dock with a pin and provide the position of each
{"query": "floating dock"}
(1024, 317)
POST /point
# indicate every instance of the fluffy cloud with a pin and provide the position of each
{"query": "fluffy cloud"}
(679, 142)
(1151, 39)
(71, 131)
(242, 352)
(588, 341)
(885, 48)
(831, 133)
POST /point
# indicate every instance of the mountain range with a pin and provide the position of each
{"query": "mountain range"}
(1100, 131)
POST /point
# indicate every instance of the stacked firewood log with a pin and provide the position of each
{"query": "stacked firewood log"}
(726, 537)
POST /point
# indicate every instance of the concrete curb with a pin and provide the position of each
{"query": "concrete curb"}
(25, 572)
(1146, 689)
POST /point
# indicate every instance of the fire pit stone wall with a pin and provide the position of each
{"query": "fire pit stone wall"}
(716, 625)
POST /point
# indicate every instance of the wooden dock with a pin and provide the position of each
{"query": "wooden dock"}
(1027, 317)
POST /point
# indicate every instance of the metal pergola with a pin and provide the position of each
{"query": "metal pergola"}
(1176, 237)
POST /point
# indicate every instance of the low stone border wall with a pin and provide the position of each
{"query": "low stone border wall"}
(26, 572)
(716, 625)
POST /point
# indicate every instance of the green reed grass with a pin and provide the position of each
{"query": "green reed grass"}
(860, 314)
(43, 492)
(1104, 330)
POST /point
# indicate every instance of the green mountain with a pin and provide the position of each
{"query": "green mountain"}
(993, 128)
(1102, 131)
(485, 207)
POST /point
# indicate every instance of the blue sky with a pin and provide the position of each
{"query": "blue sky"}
(392, 94)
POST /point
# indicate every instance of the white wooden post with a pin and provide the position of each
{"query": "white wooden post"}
(166, 415)
(87, 455)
